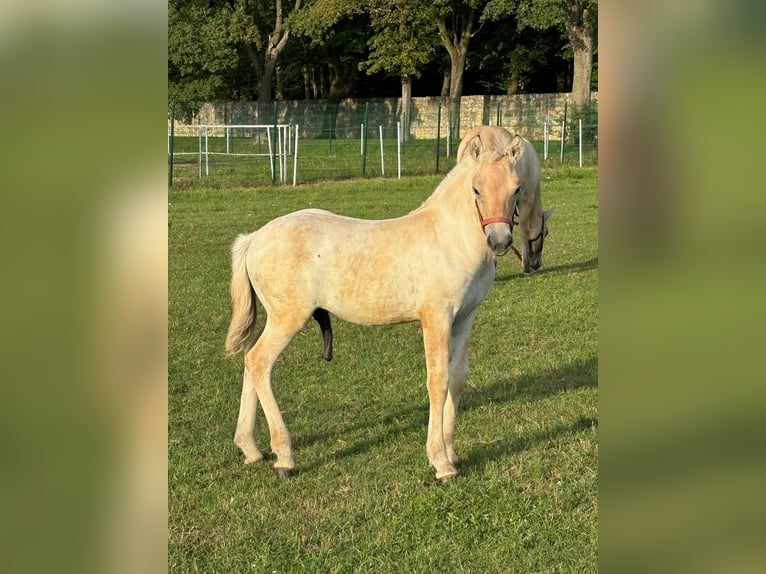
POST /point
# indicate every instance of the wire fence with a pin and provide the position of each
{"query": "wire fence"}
(288, 143)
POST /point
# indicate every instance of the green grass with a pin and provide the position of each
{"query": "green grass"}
(364, 498)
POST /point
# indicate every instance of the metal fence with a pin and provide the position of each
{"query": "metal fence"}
(297, 142)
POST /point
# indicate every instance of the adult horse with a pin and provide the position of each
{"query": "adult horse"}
(533, 220)
(433, 265)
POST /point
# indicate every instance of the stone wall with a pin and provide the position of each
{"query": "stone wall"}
(522, 113)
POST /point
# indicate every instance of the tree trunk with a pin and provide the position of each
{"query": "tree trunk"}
(457, 48)
(445, 83)
(342, 78)
(513, 82)
(583, 66)
(456, 90)
(266, 61)
(265, 82)
(580, 29)
(306, 82)
(406, 100)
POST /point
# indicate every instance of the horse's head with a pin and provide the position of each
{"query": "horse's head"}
(494, 181)
(532, 248)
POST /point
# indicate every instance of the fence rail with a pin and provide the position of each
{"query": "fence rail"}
(331, 146)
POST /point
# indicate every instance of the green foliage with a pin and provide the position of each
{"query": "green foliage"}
(405, 36)
(216, 48)
(201, 54)
(364, 499)
(316, 20)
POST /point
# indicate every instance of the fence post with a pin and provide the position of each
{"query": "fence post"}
(364, 137)
(499, 115)
(271, 153)
(207, 154)
(398, 151)
(580, 136)
(295, 157)
(563, 123)
(382, 165)
(564, 130)
(273, 156)
(438, 133)
(170, 146)
(280, 155)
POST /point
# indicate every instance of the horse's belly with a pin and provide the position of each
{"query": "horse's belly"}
(360, 302)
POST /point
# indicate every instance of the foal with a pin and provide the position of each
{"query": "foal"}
(433, 265)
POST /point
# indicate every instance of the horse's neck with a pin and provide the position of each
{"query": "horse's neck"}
(530, 217)
(451, 210)
(451, 199)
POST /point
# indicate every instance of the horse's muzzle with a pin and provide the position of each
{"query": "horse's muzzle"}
(499, 238)
(530, 266)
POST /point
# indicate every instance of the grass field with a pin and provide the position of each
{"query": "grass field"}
(364, 498)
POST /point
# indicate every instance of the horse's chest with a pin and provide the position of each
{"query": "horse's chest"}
(478, 287)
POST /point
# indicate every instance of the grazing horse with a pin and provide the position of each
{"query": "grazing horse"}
(433, 265)
(533, 221)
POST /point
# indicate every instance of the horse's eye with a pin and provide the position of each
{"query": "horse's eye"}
(476, 192)
(518, 189)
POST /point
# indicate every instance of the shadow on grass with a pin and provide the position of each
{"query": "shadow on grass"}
(574, 267)
(405, 421)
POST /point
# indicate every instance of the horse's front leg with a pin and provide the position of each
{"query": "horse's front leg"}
(458, 375)
(436, 334)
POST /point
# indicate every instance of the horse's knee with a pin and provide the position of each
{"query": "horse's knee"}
(458, 376)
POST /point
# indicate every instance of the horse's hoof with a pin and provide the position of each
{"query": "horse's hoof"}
(447, 479)
(284, 473)
(253, 459)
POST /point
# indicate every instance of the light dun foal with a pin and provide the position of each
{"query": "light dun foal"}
(433, 265)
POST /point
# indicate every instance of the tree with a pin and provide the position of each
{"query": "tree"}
(338, 29)
(261, 27)
(201, 55)
(513, 61)
(456, 21)
(579, 18)
(402, 44)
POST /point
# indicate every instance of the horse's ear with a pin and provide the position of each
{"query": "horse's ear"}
(475, 146)
(471, 144)
(517, 147)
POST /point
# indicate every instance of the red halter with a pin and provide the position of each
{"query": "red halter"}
(484, 222)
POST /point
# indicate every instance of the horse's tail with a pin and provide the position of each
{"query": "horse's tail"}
(240, 333)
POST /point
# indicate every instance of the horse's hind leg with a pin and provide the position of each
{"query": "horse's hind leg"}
(244, 435)
(259, 362)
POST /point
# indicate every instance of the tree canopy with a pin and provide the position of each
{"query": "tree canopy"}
(333, 49)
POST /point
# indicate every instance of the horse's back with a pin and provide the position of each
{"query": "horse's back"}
(529, 171)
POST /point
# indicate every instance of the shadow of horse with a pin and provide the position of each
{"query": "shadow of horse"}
(400, 421)
(574, 267)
